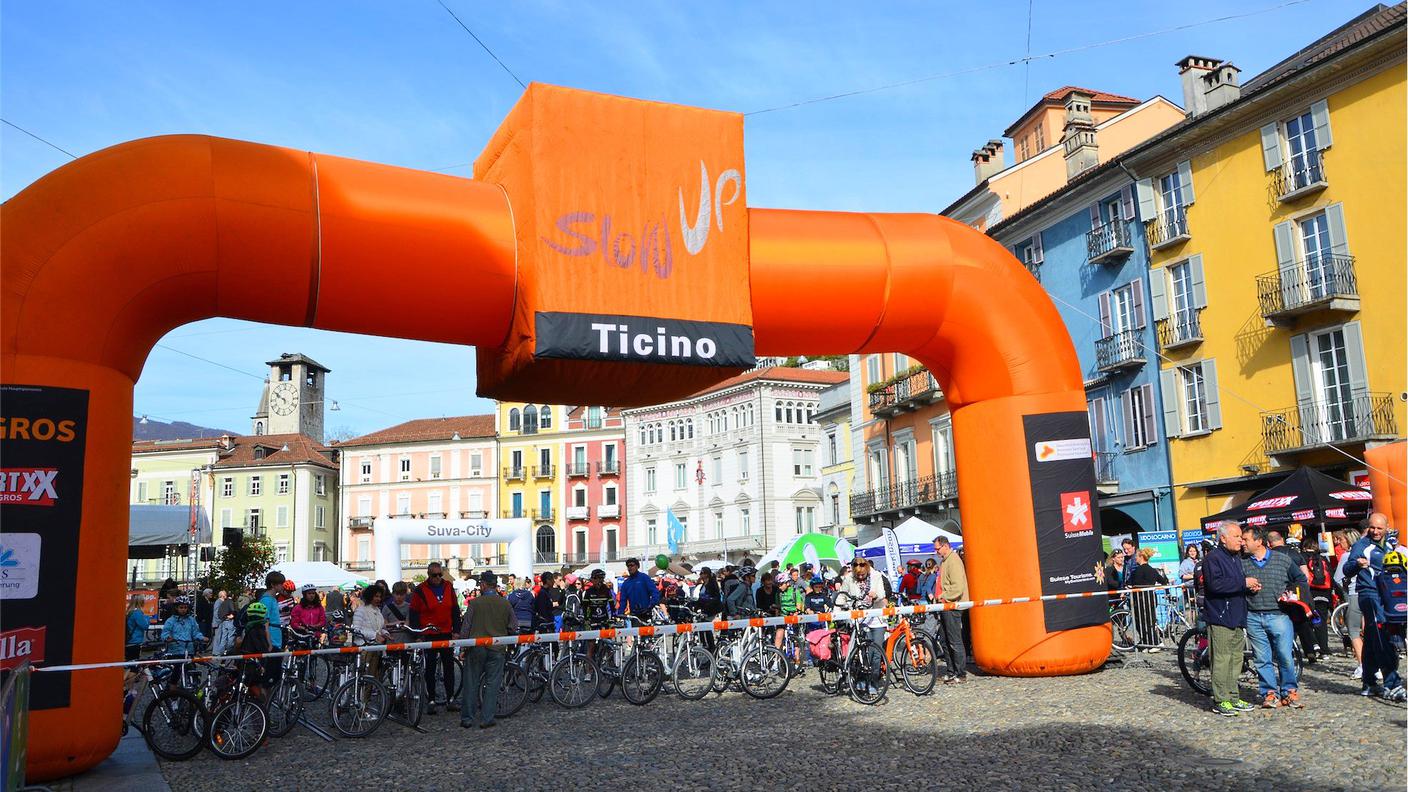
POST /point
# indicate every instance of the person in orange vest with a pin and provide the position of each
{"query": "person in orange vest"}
(434, 604)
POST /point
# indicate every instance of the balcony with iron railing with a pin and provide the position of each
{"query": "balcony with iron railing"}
(543, 513)
(608, 511)
(1109, 242)
(359, 566)
(1169, 228)
(910, 393)
(1319, 424)
(514, 514)
(1300, 176)
(544, 471)
(609, 467)
(1119, 350)
(550, 557)
(1105, 472)
(579, 469)
(579, 512)
(1320, 283)
(360, 523)
(1181, 329)
(514, 473)
(915, 494)
(592, 557)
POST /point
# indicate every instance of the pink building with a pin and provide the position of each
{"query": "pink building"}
(428, 468)
(593, 450)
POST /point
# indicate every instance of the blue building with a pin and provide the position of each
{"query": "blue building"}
(1087, 246)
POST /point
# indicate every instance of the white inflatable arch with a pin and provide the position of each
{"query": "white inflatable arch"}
(391, 533)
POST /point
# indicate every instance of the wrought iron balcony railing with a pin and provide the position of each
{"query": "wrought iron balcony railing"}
(1118, 350)
(1169, 228)
(579, 469)
(1182, 328)
(1105, 472)
(609, 467)
(1300, 176)
(1320, 282)
(513, 473)
(544, 471)
(1108, 242)
(1318, 424)
(926, 491)
(910, 393)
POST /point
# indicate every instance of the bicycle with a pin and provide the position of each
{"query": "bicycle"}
(760, 668)
(238, 721)
(574, 679)
(403, 676)
(1195, 660)
(912, 656)
(173, 722)
(359, 701)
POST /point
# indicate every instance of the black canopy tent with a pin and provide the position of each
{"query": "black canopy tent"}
(1306, 496)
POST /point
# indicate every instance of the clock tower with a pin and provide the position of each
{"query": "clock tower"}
(293, 398)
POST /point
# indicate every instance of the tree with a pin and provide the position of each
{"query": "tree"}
(339, 434)
(237, 569)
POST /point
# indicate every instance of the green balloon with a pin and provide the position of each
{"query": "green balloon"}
(662, 561)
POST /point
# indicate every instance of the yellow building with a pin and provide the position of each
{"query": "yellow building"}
(838, 468)
(530, 468)
(1275, 218)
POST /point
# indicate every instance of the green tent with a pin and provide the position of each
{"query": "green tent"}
(816, 548)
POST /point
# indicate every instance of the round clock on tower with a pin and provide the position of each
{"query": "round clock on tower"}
(293, 397)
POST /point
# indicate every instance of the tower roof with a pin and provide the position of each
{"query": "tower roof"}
(289, 358)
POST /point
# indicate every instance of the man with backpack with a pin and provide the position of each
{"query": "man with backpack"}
(1364, 563)
(1392, 586)
(1322, 591)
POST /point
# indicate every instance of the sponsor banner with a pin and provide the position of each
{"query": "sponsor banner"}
(1273, 503)
(639, 339)
(1352, 495)
(1360, 478)
(892, 554)
(41, 500)
(1167, 552)
(1067, 521)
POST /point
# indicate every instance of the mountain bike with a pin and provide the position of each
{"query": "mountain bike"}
(173, 722)
(1195, 660)
(760, 668)
(574, 679)
(359, 701)
(238, 722)
(912, 655)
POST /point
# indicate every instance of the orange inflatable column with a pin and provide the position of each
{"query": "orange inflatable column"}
(1388, 470)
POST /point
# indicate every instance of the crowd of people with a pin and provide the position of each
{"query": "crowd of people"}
(1257, 589)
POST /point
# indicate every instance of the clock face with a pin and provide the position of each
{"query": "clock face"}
(284, 398)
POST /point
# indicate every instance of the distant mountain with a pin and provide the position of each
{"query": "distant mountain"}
(177, 430)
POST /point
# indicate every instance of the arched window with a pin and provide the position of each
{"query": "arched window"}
(642, 434)
(530, 420)
(545, 417)
(513, 421)
(777, 410)
(690, 424)
(546, 544)
(787, 411)
(259, 427)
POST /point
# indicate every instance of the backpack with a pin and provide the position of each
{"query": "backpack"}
(572, 612)
(1319, 572)
(1393, 592)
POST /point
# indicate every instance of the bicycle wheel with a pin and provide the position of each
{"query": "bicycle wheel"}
(533, 664)
(866, 672)
(316, 675)
(641, 678)
(1122, 626)
(413, 701)
(456, 673)
(573, 681)
(1195, 660)
(513, 691)
(764, 672)
(830, 675)
(359, 706)
(174, 725)
(285, 707)
(610, 671)
(1338, 620)
(916, 657)
(237, 728)
(694, 673)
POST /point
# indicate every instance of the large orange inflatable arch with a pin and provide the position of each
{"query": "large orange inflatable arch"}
(604, 253)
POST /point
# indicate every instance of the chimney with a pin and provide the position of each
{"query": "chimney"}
(1192, 70)
(225, 441)
(1078, 135)
(987, 161)
(1220, 86)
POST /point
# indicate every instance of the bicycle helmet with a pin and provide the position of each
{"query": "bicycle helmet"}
(747, 571)
(288, 585)
(307, 587)
(816, 580)
(781, 578)
(256, 610)
(598, 574)
(1395, 558)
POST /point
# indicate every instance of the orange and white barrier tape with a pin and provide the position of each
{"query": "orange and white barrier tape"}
(625, 632)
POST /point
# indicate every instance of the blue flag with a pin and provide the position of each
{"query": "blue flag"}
(674, 531)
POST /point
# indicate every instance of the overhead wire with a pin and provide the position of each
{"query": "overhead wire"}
(1025, 59)
(53, 146)
(480, 42)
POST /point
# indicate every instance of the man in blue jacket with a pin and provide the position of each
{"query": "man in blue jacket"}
(1225, 610)
(1366, 562)
(639, 595)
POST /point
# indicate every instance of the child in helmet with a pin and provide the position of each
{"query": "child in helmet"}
(255, 639)
(1393, 593)
(308, 613)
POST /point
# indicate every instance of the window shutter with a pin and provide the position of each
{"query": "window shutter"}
(1168, 388)
(1320, 117)
(1214, 403)
(1037, 255)
(1104, 314)
(1185, 180)
(1200, 290)
(1334, 218)
(1354, 356)
(1094, 216)
(1148, 416)
(1300, 371)
(1286, 262)
(1271, 146)
(1136, 292)
(1144, 189)
(1158, 288)
(1127, 408)
(1127, 196)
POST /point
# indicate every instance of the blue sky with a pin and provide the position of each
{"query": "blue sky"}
(400, 82)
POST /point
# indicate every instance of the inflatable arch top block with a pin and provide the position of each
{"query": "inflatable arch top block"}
(631, 226)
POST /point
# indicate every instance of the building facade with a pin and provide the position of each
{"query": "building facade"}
(1278, 265)
(283, 487)
(737, 464)
(594, 491)
(430, 468)
(907, 453)
(171, 472)
(838, 469)
(531, 481)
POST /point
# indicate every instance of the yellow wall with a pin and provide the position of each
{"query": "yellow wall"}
(509, 441)
(1231, 225)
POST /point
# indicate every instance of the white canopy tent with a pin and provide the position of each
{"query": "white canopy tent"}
(323, 574)
(915, 537)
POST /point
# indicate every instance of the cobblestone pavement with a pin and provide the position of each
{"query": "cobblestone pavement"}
(1132, 725)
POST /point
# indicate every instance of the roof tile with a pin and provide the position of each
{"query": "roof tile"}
(427, 430)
